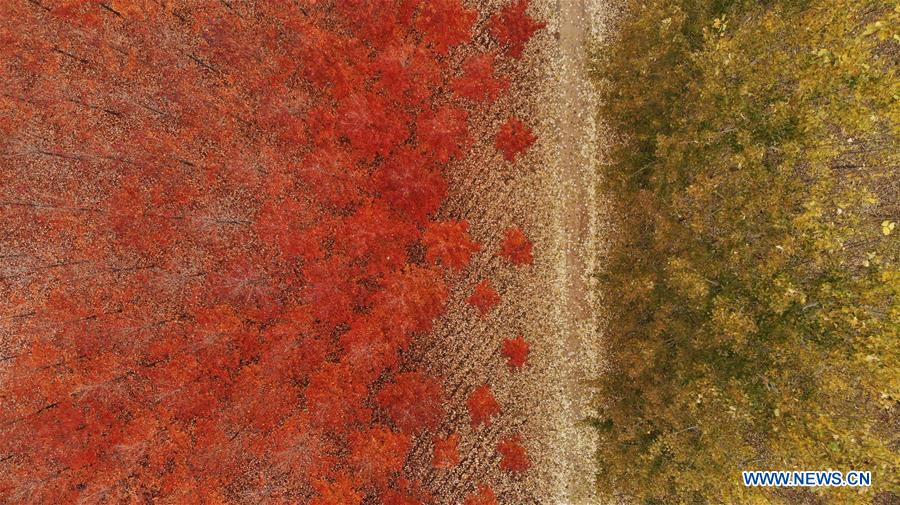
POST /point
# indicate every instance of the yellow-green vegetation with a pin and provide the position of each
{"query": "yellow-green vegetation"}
(754, 283)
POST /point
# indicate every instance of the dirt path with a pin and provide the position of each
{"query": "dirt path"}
(578, 233)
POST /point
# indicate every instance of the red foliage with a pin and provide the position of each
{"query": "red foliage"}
(516, 351)
(411, 184)
(371, 124)
(410, 300)
(446, 452)
(379, 22)
(368, 351)
(376, 454)
(514, 138)
(332, 179)
(336, 395)
(484, 496)
(484, 297)
(512, 28)
(331, 289)
(405, 492)
(299, 449)
(482, 405)
(445, 23)
(373, 237)
(338, 492)
(477, 82)
(443, 133)
(213, 218)
(516, 247)
(515, 459)
(287, 227)
(448, 242)
(413, 402)
(407, 74)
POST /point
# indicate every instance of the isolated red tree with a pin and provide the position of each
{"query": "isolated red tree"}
(484, 496)
(513, 138)
(516, 247)
(514, 457)
(448, 242)
(482, 405)
(484, 297)
(516, 351)
(512, 27)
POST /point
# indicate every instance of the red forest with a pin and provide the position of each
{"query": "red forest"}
(219, 239)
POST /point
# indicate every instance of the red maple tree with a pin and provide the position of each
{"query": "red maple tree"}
(445, 23)
(484, 496)
(379, 22)
(371, 124)
(338, 492)
(410, 184)
(409, 301)
(443, 133)
(514, 457)
(336, 395)
(376, 454)
(482, 405)
(516, 247)
(407, 73)
(405, 492)
(368, 350)
(516, 351)
(448, 242)
(484, 297)
(512, 27)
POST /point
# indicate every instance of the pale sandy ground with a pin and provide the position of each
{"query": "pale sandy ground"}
(552, 194)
